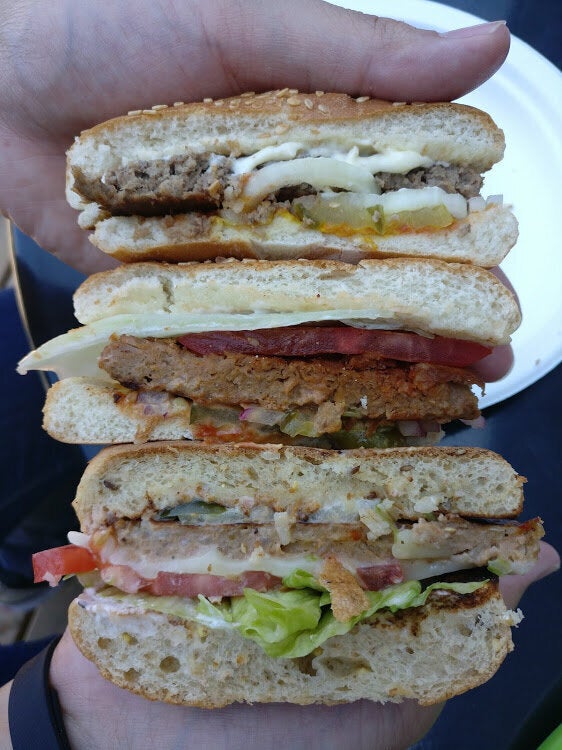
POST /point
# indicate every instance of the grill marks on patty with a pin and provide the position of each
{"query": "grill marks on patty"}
(198, 182)
(379, 388)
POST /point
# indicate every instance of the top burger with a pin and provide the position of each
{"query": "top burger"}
(282, 175)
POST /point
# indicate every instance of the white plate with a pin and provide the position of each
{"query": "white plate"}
(525, 99)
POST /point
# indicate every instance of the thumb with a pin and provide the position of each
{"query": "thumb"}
(70, 78)
(513, 587)
(315, 45)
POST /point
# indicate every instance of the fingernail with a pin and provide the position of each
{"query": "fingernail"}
(481, 29)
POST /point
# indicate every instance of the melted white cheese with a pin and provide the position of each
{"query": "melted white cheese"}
(211, 562)
(77, 352)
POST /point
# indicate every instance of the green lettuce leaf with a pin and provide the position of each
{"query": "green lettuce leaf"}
(293, 623)
(290, 623)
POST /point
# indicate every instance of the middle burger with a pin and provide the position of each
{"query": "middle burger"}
(308, 352)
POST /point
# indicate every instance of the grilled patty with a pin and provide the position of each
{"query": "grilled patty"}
(370, 387)
(189, 182)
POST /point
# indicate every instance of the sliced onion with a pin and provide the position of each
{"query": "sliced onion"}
(414, 199)
(417, 428)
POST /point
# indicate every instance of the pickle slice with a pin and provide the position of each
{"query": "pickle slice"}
(350, 211)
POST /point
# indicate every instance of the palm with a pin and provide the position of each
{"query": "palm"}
(358, 725)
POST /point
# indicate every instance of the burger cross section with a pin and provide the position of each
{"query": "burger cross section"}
(303, 303)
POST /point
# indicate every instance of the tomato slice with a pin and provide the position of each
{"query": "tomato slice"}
(52, 564)
(307, 341)
(191, 585)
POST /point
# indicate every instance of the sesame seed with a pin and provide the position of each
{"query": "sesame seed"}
(282, 93)
(178, 104)
(248, 93)
(293, 101)
(156, 107)
(361, 99)
(135, 112)
(219, 103)
(233, 104)
(319, 93)
(398, 104)
(293, 91)
(148, 112)
(308, 103)
(207, 100)
(323, 108)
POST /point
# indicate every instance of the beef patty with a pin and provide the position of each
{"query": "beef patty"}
(364, 384)
(188, 182)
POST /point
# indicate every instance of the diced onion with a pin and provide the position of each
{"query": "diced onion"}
(79, 539)
(261, 416)
(494, 200)
(477, 203)
(410, 428)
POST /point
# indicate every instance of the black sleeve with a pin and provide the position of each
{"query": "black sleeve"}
(34, 710)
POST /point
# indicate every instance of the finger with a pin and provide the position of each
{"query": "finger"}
(513, 587)
(496, 365)
(500, 276)
(38, 206)
(85, 697)
(358, 53)
(187, 50)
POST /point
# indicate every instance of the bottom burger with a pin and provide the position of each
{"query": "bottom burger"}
(217, 574)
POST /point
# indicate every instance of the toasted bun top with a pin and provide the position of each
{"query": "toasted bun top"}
(432, 296)
(129, 481)
(244, 124)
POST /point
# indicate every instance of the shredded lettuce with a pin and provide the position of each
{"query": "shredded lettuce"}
(289, 623)
(293, 623)
(500, 566)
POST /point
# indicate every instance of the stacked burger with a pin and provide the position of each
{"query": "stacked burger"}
(303, 298)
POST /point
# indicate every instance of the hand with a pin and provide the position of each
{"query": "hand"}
(99, 714)
(65, 66)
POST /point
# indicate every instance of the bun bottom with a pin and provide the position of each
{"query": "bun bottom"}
(431, 653)
(483, 238)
